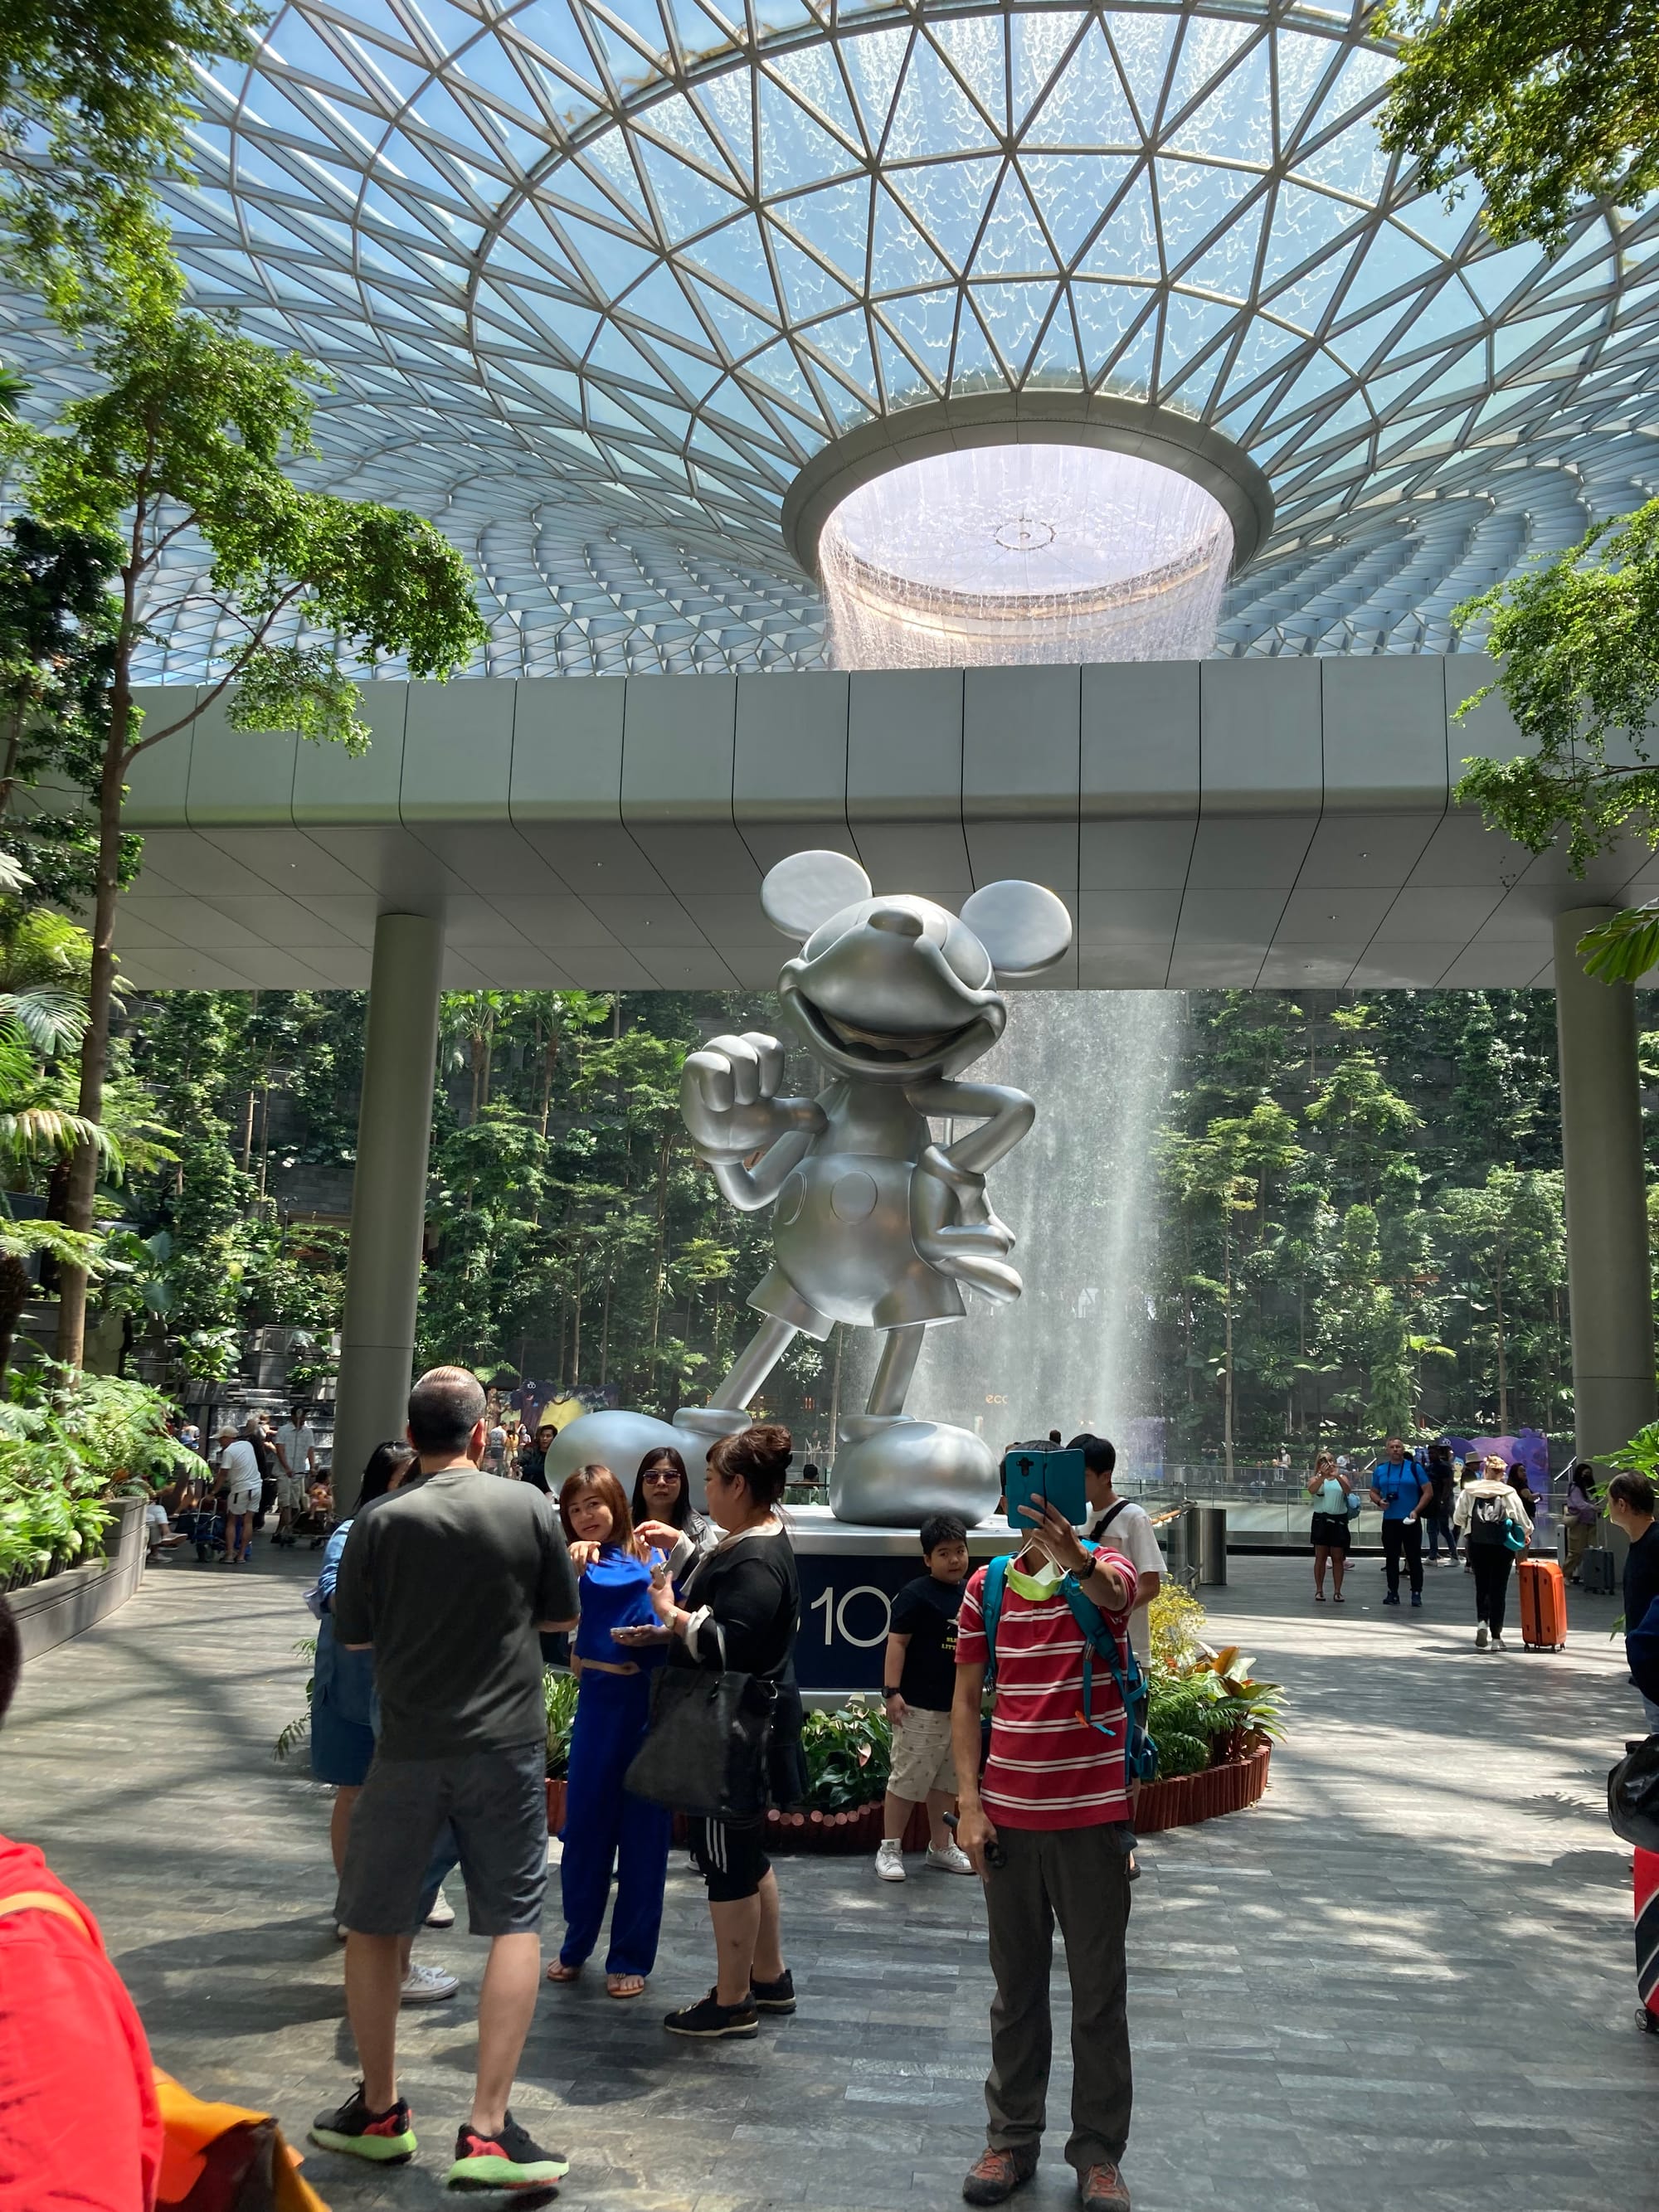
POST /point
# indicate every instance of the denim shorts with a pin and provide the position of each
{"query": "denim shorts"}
(496, 1803)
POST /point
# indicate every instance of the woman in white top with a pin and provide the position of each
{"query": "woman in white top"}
(1487, 1511)
(1330, 1489)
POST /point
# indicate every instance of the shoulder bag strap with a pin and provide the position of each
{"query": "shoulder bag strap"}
(46, 1900)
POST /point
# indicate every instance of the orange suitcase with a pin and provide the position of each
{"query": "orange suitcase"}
(1543, 1605)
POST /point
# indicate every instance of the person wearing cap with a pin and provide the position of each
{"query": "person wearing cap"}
(239, 1470)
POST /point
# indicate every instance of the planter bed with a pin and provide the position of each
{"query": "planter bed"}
(1176, 1803)
(56, 1607)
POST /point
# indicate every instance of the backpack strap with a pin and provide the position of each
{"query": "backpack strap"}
(990, 1607)
(1140, 1751)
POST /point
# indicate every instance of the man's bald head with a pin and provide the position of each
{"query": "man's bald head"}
(444, 1406)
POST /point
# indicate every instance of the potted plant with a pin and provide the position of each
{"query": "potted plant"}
(559, 1699)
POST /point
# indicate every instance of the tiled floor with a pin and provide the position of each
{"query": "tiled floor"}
(1405, 1979)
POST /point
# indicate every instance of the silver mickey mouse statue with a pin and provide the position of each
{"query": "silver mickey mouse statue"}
(876, 1224)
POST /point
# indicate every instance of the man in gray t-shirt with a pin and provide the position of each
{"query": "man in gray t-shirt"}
(448, 1580)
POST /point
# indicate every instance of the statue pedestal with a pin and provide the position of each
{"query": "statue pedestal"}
(849, 1576)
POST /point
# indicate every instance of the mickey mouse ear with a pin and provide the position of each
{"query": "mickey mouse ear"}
(1024, 927)
(807, 888)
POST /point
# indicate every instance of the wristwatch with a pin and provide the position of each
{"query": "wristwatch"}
(889, 1694)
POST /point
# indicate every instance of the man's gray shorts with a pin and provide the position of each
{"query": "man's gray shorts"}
(497, 1802)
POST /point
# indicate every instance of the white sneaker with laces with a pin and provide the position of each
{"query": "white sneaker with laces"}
(889, 1860)
(952, 1860)
(1482, 1636)
(1498, 1642)
(428, 1985)
(442, 1914)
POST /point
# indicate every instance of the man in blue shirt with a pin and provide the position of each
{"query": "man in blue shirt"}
(1399, 1486)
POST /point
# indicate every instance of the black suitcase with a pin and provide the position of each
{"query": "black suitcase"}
(1595, 1572)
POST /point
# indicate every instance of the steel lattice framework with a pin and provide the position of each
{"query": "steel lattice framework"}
(596, 278)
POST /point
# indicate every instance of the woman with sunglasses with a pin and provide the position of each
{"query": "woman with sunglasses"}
(664, 1513)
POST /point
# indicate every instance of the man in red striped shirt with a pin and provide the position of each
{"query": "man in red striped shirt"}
(1049, 1830)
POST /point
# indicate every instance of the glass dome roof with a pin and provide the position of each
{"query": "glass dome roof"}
(597, 278)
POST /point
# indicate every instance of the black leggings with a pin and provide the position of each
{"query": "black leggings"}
(731, 1857)
(1491, 1563)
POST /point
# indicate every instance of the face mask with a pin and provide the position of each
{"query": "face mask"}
(1039, 1586)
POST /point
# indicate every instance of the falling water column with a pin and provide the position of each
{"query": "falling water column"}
(1608, 1282)
(388, 1194)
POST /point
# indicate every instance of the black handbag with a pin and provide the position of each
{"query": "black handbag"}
(1634, 1796)
(706, 1749)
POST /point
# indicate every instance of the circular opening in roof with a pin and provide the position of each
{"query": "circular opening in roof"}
(1024, 553)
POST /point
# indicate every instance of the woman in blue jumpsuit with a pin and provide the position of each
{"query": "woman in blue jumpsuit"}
(604, 1827)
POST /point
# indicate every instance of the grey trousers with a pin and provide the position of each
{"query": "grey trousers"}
(1080, 1877)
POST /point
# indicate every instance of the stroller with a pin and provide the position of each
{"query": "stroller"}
(313, 1523)
(202, 1525)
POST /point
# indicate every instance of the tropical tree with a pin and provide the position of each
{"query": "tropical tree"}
(187, 440)
(1552, 106)
(1504, 1240)
(96, 97)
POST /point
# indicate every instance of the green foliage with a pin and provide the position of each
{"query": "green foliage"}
(1550, 105)
(1640, 1455)
(66, 1440)
(296, 1731)
(850, 1756)
(559, 1689)
(95, 99)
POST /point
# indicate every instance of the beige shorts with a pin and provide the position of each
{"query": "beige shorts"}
(922, 1756)
(291, 1493)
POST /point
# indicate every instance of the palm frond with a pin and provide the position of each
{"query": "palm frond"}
(53, 1020)
(28, 1132)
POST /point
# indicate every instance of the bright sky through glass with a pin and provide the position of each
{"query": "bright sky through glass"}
(595, 281)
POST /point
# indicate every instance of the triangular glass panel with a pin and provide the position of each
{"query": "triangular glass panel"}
(974, 368)
(1013, 315)
(738, 331)
(687, 202)
(1235, 123)
(1041, 42)
(1352, 163)
(1012, 243)
(733, 254)
(1301, 60)
(933, 114)
(900, 257)
(1131, 374)
(1104, 313)
(1303, 223)
(778, 368)
(875, 61)
(1306, 301)
(1512, 339)
(1449, 315)
(1142, 44)
(811, 74)
(1464, 377)
(610, 263)
(948, 201)
(843, 339)
(1392, 262)
(973, 46)
(727, 105)
(808, 287)
(676, 121)
(605, 162)
(1194, 197)
(1265, 347)
(795, 151)
(835, 222)
(1229, 265)
(1322, 375)
(926, 323)
(903, 384)
(1087, 106)
(1362, 77)
(1188, 326)
(1496, 277)
(1071, 191)
(611, 353)
(660, 303)
(1127, 246)
(1054, 365)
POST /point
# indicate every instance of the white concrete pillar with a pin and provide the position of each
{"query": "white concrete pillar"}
(1608, 1280)
(388, 1193)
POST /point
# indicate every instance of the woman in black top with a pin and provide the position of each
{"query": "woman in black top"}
(532, 1462)
(739, 1609)
(662, 1501)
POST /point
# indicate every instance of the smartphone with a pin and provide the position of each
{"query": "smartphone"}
(1044, 1478)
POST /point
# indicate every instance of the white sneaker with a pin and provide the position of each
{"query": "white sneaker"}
(952, 1860)
(428, 1985)
(442, 1914)
(1481, 1638)
(890, 1859)
(1498, 1642)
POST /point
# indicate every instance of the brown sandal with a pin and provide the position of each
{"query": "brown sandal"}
(610, 1989)
(558, 1971)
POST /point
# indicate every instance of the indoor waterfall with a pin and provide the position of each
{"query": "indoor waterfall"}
(1080, 1195)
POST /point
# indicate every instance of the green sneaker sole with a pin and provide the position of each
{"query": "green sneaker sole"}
(378, 2150)
(505, 2174)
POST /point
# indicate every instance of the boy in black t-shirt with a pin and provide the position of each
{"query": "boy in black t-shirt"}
(918, 1684)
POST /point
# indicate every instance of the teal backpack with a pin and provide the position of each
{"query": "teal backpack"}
(1140, 1751)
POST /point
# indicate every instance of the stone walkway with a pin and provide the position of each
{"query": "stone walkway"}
(1405, 1978)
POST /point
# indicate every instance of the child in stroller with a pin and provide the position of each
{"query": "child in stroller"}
(316, 1518)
